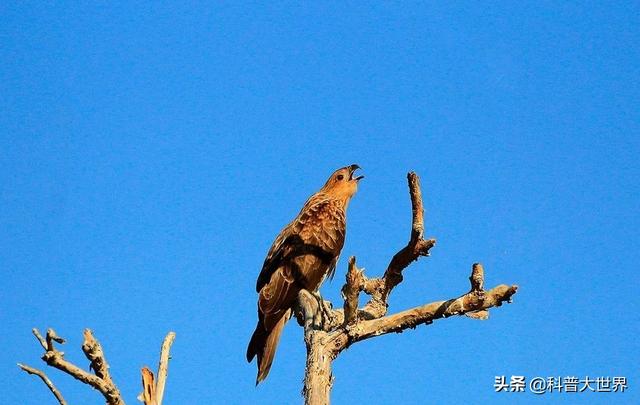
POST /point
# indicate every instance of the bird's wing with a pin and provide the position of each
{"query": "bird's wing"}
(319, 229)
(280, 247)
(286, 242)
(276, 297)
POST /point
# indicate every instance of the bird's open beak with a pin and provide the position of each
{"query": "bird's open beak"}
(352, 170)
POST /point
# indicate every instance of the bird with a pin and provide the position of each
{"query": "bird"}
(303, 254)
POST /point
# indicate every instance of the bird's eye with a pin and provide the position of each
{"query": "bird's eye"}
(340, 177)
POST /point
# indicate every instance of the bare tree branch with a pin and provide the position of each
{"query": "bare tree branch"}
(351, 290)
(148, 395)
(477, 277)
(52, 337)
(38, 336)
(46, 380)
(426, 314)
(416, 247)
(93, 351)
(101, 381)
(163, 366)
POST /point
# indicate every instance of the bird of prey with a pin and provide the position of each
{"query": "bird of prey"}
(302, 255)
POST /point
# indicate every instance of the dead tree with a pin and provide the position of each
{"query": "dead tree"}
(328, 332)
(152, 390)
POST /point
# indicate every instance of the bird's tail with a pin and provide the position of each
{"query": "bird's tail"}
(264, 343)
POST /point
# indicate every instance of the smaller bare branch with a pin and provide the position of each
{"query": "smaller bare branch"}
(38, 336)
(93, 351)
(477, 287)
(477, 277)
(417, 210)
(371, 286)
(401, 260)
(351, 291)
(163, 366)
(53, 337)
(43, 376)
(148, 395)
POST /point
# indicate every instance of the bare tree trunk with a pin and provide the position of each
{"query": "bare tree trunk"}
(318, 378)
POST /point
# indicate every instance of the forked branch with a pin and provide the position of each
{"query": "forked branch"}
(101, 380)
(152, 390)
(471, 302)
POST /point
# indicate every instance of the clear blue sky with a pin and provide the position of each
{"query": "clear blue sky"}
(150, 154)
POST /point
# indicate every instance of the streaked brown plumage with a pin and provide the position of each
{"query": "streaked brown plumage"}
(302, 255)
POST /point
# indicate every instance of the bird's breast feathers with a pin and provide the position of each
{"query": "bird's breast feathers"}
(322, 224)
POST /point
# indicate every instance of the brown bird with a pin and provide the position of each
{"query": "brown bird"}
(302, 255)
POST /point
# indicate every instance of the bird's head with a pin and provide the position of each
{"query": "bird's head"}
(343, 183)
